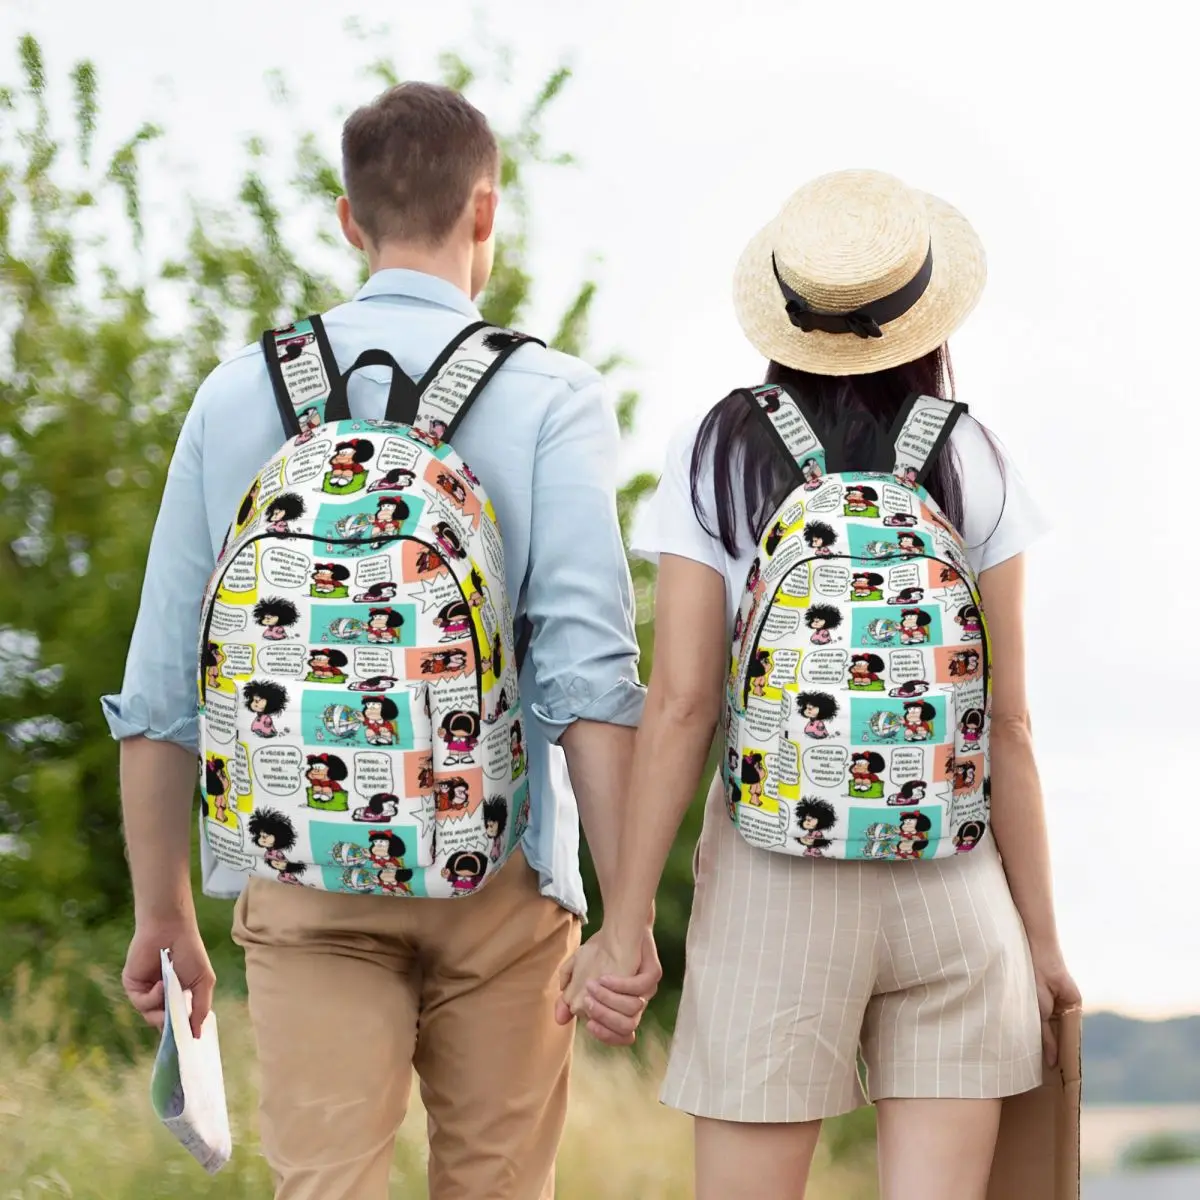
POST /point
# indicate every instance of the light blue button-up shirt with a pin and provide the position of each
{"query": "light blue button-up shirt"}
(543, 440)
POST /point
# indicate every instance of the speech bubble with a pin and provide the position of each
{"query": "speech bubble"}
(824, 666)
(373, 570)
(435, 593)
(908, 762)
(241, 771)
(796, 583)
(783, 667)
(456, 694)
(493, 549)
(826, 499)
(371, 661)
(761, 828)
(903, 577)
(825, 766)
(277, 769)
(904, 665)
(955, 596)
(785, 763)
(226, 620)
(282, 661)
(779, 624)
(792, 514)
(242, 573)
(283, 567)
(373, 773)
(497, 753)
(831, 580)
(271, 482)
(226, 845)
(763, 718)
(220, 715)
(307, 463)
(398, 454)
(896, 499)
(239, 660)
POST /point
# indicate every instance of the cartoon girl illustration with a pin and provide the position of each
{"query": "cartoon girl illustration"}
(768, 399)
(246, 509)
(816, 817)
(964, 776)
(971, 621)
(479, 594)
(908, 595)
(382, 806)
(970, 728)
(275, 616)
(465, 870)
(460, 731)
(326, 665)
(918, 720)
(385, 848)
(281, 510)
(451, 795)
(287, 872)
(383, 626)
(967, 836)
(754, 775)
(444, 662)
(495, 819)
(273, 833)
(774, 537)
(864, 774)
(470, 475)
(822, 619)
(914, 687)
(448, 540)
(394, 881)
(861, 501)
(907, 476)
(865, 585)
(325, 774)
(733, 782)
(419, 435)
(913, 792)
(395, 480)
(310, 422)
(216, 788)
(811, 470)
(429, 561)
(377, 683)
(910, 543)
(214, 656)
(495, 661)
(964, 664)
(820, 537)
(377, 593)
(454, 620)
(346, 471)
(390, 512)
(865, 672)
(816, 708)
(329, 580)
(914, 626)
(900, 520)
(913, 827)
(266, 700)
(517, 750)
(739, 626)
(753, 577)
(379, 716)
(438, 430)
(452, 487)
(757, 672)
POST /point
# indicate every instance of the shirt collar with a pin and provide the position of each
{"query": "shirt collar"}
(397, 281)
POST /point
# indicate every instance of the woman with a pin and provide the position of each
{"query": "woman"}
(934, 971)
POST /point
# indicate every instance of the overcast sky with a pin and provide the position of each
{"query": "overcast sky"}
(1066, 138)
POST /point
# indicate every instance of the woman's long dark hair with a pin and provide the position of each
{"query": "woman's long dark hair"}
(855, 413)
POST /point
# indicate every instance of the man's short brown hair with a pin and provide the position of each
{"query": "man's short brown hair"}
(410, 159)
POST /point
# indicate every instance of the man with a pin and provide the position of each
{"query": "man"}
(348, 993)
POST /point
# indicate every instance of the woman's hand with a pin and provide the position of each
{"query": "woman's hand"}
(1056, 992)
(609, 986)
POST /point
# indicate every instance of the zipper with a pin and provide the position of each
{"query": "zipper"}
(219, 577)
(975, 597)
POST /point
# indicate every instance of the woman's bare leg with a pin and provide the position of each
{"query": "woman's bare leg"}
(766, 1161)
(936, 1149)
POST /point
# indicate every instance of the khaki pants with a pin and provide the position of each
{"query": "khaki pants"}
(349, 993)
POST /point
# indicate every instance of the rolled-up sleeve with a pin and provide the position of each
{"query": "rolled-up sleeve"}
(578, 595)
(158, 697)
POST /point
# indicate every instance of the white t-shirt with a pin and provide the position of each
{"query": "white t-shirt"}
(1000, 517)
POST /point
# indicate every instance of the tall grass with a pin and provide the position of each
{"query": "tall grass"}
(77, 1122)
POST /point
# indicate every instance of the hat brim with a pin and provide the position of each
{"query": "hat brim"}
(959, 273)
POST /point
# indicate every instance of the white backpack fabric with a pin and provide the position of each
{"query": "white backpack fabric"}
(360, 720)
(857, 713)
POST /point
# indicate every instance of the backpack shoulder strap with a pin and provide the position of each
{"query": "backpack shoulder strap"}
(792, 428)
(303, 371)
(921, 430)
(453, 383)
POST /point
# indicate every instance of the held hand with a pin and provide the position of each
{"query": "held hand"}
(142, 976)
(610, 988)
(1057, 992)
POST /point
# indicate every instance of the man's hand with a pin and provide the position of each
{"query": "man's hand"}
(142, 976)
(609, 987)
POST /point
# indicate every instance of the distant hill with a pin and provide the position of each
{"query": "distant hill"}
(1126, 1061)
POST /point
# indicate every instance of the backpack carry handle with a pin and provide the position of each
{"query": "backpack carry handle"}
(403, 395)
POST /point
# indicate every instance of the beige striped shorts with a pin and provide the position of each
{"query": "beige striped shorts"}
(797, 966)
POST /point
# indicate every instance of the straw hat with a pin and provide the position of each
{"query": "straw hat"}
(858, 272)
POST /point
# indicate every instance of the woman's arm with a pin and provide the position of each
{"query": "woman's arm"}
(1018, 815)
(683, 704)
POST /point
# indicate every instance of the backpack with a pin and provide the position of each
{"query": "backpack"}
(856, 719)
(360, 721)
